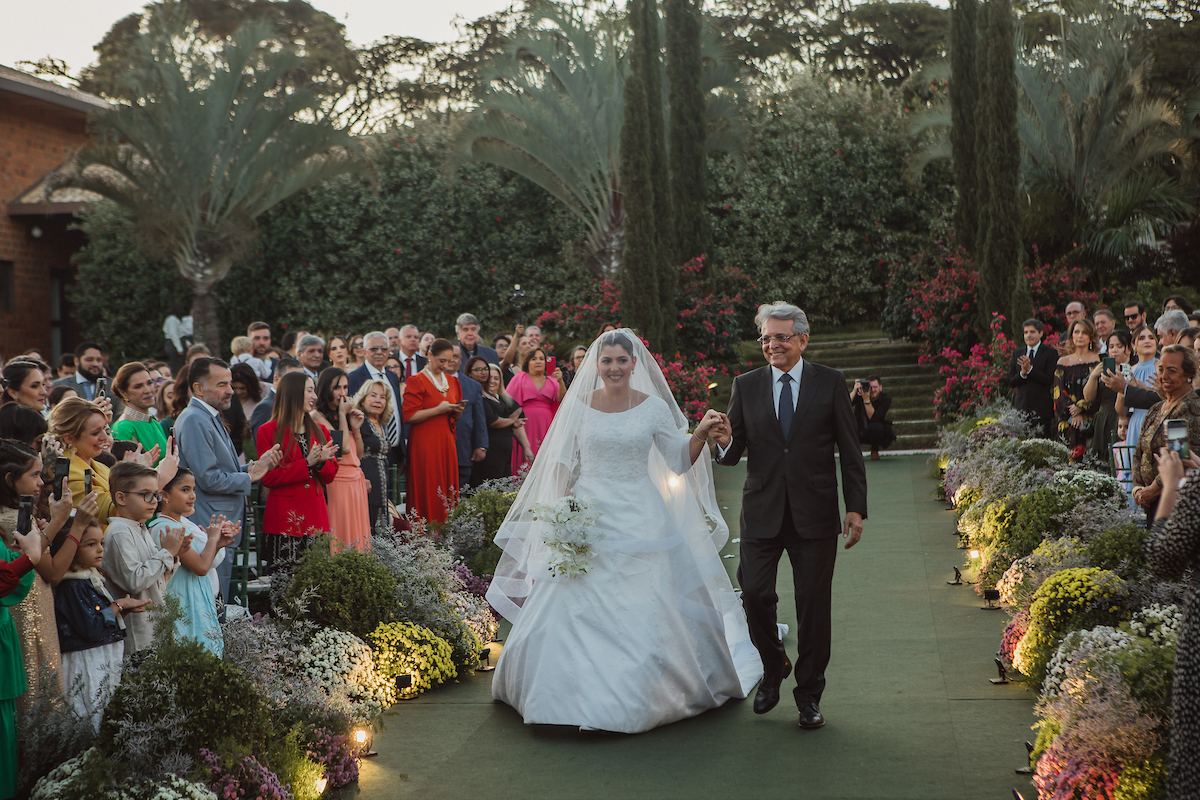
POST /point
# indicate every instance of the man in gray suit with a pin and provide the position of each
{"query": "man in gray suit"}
(788, 417)
(222, 484)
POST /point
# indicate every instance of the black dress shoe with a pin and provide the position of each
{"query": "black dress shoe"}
(767, 696)
(810, 717)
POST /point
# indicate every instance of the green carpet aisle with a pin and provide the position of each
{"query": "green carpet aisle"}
(911, 713)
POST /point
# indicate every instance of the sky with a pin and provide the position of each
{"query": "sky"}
(68, 29)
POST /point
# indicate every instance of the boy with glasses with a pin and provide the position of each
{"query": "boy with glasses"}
(138, 564)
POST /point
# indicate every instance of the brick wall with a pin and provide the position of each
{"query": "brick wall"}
(35, 137)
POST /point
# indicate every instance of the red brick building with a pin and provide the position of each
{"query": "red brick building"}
(41, 123)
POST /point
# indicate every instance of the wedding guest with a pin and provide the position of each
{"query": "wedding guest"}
(393, 366)
(349, 511)
(18, 579)
(393, 335)
(164, 401)
(433, 404)
(605, 328)
(290, 339)
(310, 352)
(58, 394)
(505, 422)
(137, 423)
(1141, 386)
(1073, 411)
(1172, 552)
(337, 353)
(23, 424)
(296, 509)
(1177, 366)
(358, 353)
(375, 369)
(1031, 373)
(427, 338)
(1177, 302)
(81, 427)
(195, 583)
(500, 343)
(572, 367)
(91, 628)
(1103, 399)
(66, 365)
(197, 351)
(374, 399)
(538, 395)
(470, 432)
(261, 359)
(177, 335)
(466, 327)
(411, 361)
(1188, 337)
(248, 388)
(138, 564)
(1105, 323)
(25, 383)
(510, 362)
(1135, 314)
(239, 348)
(262, 411)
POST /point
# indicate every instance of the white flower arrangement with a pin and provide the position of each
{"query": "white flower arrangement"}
(342, 665)
(1083, 649)
(572, 537)
(1158, 623)
(1091, 485)
(57, 784)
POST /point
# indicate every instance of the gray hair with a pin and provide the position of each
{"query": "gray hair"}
(465, 319)
(1173, 320)
(781, 310)
(308, 341)
(409, 327)
(533, 328)
(374, 335)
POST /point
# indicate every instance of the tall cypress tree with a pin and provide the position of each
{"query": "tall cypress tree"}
(660, 180)
(640, 307)
(964, 93)
(689, 180)
(1000, 261)
(983, 186)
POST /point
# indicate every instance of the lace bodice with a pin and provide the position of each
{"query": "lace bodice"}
(616, 447)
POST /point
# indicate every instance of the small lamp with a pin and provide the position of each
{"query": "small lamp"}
(1027, 769)
(957, 578)
(991, 596)
(363, 742)
(1003, 672)
(485, 657)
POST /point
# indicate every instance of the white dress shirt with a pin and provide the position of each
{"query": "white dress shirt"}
(776, 390)
(1032, 353)
(404, 361)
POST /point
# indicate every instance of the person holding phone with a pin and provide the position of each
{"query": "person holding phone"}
(349, 513)
(1104, 421)
(1177, 367)
(538, 393)
(433, 402)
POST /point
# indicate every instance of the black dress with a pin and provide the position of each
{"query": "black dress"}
(1104, 422)
(498, 462)
(374, 463)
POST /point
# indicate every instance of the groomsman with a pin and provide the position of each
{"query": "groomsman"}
(789, 417)
(1031, 373)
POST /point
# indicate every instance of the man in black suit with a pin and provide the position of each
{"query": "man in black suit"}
(1031, 373)
(411, 362)
(376, 344)
(89, 369)
(788, 417)
(467, 328)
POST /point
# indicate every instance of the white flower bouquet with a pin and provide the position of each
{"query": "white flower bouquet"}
(572, 521)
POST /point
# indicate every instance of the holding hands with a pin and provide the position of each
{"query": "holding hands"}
(715, 425)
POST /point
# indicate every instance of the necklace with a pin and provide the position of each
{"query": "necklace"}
(442, 387)
(133, 415)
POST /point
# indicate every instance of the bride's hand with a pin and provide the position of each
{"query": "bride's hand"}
(705, 429)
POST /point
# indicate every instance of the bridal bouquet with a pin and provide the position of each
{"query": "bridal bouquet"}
(571, 520)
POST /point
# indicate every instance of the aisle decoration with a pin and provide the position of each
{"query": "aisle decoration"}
(1088, 623)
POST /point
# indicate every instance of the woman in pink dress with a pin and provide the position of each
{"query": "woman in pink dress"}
(539, 395)
(349, 516)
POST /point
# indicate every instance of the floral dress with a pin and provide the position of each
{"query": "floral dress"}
(1069, 381)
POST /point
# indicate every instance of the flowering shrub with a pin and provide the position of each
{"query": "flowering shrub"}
(343, 666)
(90, 776)
(1069, 599)
(974, 380)
(402, 648)
(1027, 574)
(1088, 486)
(244, 778)
(336, 753)
(351, 591)
(1013, 632)
(689, 385)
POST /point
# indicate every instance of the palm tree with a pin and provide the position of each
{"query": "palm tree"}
(553, 114)
(1100, 155)
(211, 143)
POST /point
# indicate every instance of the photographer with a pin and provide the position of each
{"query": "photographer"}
(871, 404)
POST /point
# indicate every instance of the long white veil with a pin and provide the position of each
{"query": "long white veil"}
(706, 593)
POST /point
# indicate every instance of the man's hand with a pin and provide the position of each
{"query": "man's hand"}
(722, 432)
(1116, 381)
(479, 454)
(852, 528)
(266, 462)
(1025, 364)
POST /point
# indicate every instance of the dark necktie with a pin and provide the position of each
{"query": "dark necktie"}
(1030, 354)
(408, 368)
(786, 409)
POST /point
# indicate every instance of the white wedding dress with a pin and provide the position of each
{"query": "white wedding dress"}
(653, 632)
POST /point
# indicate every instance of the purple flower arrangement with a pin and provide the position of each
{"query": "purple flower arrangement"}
(246, 779)
(337, 754)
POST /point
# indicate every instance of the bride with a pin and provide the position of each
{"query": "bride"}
(652, 632)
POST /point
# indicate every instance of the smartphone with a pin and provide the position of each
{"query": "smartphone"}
(87, 482)
(25, 514)
(336, 438)
(1177, 436)
(551, 363)
(101, 387)
(1110, 365)
(1126, 372)
(62, 471)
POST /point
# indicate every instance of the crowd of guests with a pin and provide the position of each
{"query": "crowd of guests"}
(1109, 391)
(121, 485)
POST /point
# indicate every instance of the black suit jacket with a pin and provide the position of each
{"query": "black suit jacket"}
(1140, 398)
(801, 470)
(1035, 393)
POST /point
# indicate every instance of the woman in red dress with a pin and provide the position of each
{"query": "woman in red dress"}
(539, 395)
(296, 508)
(432, 403)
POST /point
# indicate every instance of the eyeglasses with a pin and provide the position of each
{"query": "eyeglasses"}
(479, 369)
(377, 349)
(780, 338)
(1132, 316)
(148, 497)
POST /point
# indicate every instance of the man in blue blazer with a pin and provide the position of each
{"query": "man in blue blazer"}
(222, 484)
(470, 431)
(467, 328)
(376, 344)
